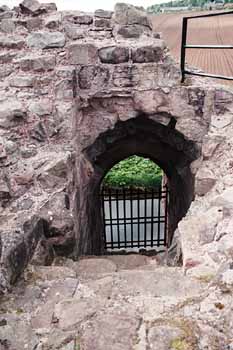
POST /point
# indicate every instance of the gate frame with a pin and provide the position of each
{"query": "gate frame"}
(184, 46)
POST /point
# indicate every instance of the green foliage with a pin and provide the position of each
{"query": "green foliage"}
(134, 172)
(181, 3)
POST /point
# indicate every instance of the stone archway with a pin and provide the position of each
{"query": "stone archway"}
(145, 137)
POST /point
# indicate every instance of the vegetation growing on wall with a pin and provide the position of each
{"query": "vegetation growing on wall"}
(134, 171)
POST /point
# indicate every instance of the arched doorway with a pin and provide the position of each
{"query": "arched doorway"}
(135, 199)
(147, 138)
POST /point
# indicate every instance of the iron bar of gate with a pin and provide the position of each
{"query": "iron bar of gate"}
(145, 214)
(166, 219)
(110, 215)
(138, 207)
(184, 46)
(117, 214)
(159, 212)
(152, 215)
(131, 215)
(104, 217)
(124, 215)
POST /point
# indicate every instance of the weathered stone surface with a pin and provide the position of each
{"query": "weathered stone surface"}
(128, 262)
(33, 23)
(114, 54)
(165, 336)
(49, 7)
(132, 31)
(103, 14)
(102, 23)
(148, 53)
(41, 108)
(11, 42)
(83, 19)
(22, 81)
(70, 313)
(46, 40)
(30, 7)
(225, 199)
(83, 54)
(210, 145)
(90, 267)
(205, 180)
(221, 121)
(7, 26)
(44, 254)
(17, 256)
(37, 63)
(91, 76)
(6, 14)
(11, 112)
(50, 273)
(5, 192)
(4, 8)
(125, 14)
(125, 76)
(7, 57)
(53, 21)
(38, 132)
(75, 33)
(117, 322)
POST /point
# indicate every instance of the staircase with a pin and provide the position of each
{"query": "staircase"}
(109, 303)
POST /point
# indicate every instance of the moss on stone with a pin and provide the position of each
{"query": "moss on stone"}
(205, 278)
(179, 344)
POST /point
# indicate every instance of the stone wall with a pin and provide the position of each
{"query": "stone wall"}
(67, 79)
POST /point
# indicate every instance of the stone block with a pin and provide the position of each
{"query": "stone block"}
(64, 90)
(53, 21)
(103, 14)
(148, 54)
(46, 40)
(204, 181)
(125, 14)
(114, 54)
(37, 63)
(93, 75)
(7, 57)
(7, 26)
(18, 254)
(11, 42)
(102, 23)
(132, 31)
(83, 19)
(125, 76)
(6, 14)
(22, 81)
(83, 54)
(33, 23)
(30, 7)
(75, 33)
(11, 111)
(41, 108)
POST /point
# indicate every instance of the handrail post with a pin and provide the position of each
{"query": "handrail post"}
(183, 49)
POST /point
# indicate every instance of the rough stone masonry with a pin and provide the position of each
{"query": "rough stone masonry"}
(81, 91)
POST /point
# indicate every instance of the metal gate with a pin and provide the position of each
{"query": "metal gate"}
(134, 218)
(185, 46)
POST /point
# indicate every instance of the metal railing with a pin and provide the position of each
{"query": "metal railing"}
(134, 218)
(184, 46)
